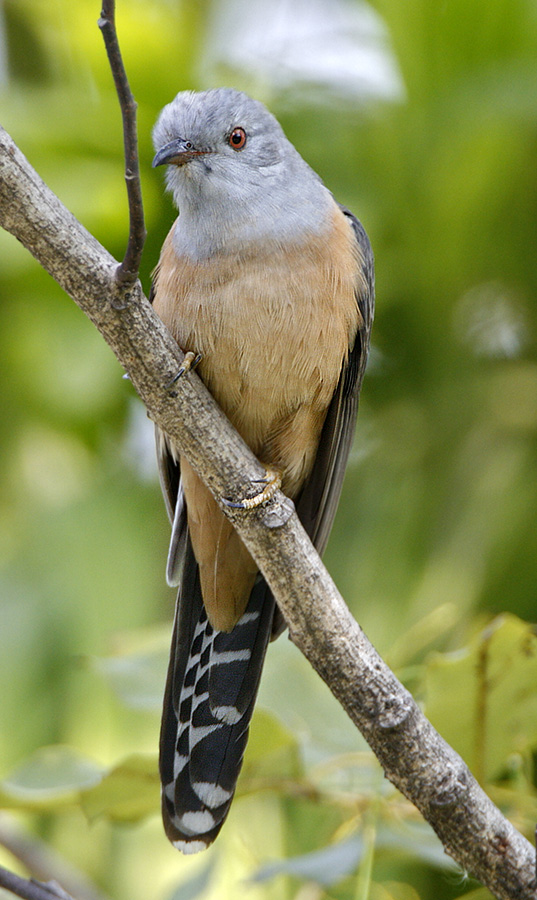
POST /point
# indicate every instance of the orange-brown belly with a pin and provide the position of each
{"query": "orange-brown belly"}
(274, 330)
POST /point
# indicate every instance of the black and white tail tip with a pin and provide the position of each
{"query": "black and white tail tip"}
(205, 725)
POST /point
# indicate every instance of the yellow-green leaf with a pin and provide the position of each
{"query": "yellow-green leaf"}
(483, 699)
(272, 752)
(129, 792)
(51, 777)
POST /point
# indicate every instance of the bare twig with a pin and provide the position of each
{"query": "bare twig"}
(414, 756)
(44, 863)
(127, 272)
(30, 889)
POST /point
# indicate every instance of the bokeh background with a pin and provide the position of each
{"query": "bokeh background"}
(421, 117)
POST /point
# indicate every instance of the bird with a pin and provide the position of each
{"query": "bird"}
(268, 282)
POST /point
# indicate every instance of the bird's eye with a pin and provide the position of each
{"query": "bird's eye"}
(237, 138)
(188, 145)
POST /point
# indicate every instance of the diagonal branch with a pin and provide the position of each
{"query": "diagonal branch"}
(414, 756)
(29, 889)
(44, 863)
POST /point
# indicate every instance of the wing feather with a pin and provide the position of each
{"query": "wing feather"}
(318, 501)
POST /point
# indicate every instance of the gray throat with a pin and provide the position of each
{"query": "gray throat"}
(272, 205)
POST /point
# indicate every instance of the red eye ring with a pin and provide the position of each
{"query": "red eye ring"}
(237, 138)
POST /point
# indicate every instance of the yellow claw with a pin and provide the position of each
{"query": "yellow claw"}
(190, 362)
(272, 481)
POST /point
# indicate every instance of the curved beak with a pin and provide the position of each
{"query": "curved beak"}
(176, 153)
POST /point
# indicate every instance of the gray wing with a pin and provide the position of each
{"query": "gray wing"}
(318, 501)
(172, 491)
(170, 483)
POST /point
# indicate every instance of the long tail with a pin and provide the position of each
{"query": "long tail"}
(212, 684)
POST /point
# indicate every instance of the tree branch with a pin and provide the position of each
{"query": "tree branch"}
(43, 862)
(414, 756)
(30, 889)
(128, 270)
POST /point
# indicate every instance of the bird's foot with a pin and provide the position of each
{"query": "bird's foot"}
(190, 361)
(272, 482)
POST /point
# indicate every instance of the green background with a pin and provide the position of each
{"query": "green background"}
(434, 546)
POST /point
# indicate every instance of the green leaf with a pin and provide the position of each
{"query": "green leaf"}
(326, 866)
(137, 677)
(416, 839)
(479, 894)
(272, 752)
(396, 890)
(332, 863)
(483, 700)
(52, 777)
(128, 793)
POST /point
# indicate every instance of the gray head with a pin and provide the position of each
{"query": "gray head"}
(235, 177)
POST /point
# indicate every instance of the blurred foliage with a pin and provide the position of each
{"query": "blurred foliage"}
(435, 537)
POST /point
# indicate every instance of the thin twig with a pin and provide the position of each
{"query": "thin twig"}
(29, 889)
(44, 863)
(127, 271)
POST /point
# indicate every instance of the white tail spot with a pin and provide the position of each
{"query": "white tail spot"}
(202, 731)
(229, 656)
(248, 617)
(228, 714)
(179, 762)
(211, 794)
(196, 822)
(190, 846)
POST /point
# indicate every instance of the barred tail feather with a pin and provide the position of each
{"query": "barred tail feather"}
(210, 695)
